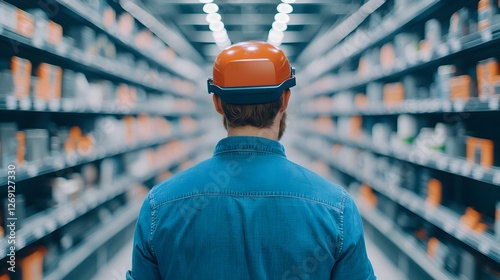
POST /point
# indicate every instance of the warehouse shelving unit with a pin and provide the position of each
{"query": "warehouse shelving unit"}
(444, 218)
(349, 149)
(48, 227)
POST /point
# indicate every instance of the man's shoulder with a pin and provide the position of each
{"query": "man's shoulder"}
(320, 188)
(182, 184)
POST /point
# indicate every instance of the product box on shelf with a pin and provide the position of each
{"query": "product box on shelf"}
(15, 81)
(473, 220)
(368, 196)
(488, 74)
(32, 265)
(37, 144)
(109, 18)
(461, 88)
(21, 74)
(486, 11)
(443, 78)
(8, 144)
(84, 39)
(16, 20)
(387, 56)
(434, 192)
(49, 84)
(433, 34)
(46, 31)
(480, 151)
(21, 147)
(394, 94)
(126, 25)
(461, 24)
(407, 47)
(437, 250)
(66, 190)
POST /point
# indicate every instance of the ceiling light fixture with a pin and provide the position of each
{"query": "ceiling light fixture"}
(279, 26)
(210, 8)
(216, 26)
(276, 33)
(213, 17)
(284, 8)
(281, 17)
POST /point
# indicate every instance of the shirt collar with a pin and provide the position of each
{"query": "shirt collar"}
(256, 144)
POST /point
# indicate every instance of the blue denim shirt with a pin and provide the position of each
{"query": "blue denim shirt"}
(249, 213)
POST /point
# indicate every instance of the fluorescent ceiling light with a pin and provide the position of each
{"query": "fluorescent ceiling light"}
(279, 26)
(275, 43)
(286, 1)
(213, 17)
(275, 34)
(283, 8)
(208, 1)
(216, 26)
(218, 35)
(210, 8)
(281, 17)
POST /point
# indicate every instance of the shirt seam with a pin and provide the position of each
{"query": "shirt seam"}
(152, 228)
(249, 195)
(235, 152)
(342, 210)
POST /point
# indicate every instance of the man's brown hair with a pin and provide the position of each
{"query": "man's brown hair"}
(258, 115)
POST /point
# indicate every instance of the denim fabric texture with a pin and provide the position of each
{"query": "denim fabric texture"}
(249, 213)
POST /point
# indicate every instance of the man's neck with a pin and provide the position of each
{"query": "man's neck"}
(270, 133)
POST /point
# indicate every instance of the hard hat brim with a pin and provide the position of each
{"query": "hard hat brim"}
(251, 94)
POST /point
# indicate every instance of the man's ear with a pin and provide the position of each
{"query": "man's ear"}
(217, 104)
(286, 98)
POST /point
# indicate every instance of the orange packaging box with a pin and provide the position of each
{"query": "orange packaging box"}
(488, 72)
(125, 24)
(361, 100)
(21, 73)
(21, 147)
(394, 94)
(49, 82)
(129, 122)
(434, 192)
(32, 265)
(471, 218)
(25, 23)
(356, 127)
(4, 277)
(387, 56)
(480, 151)
(461, 88)
(109, 18)
(54, 33)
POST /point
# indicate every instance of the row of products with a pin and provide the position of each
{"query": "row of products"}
(442, 251)
(36, 261)
(450, 83)
(409, 48)
(51, 84)
(94, 47)
(18, 146)
(35, 24)
(408, 133)
(74, 185)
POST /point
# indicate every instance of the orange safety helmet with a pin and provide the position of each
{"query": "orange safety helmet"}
(251, 73)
